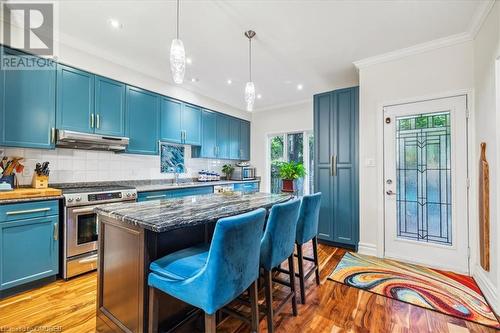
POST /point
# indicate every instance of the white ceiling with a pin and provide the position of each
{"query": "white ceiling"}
(313, 43)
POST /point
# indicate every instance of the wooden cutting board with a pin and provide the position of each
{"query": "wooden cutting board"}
(484, 209)
(23, 193)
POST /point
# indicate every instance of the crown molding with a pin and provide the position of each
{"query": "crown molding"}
(469, 35)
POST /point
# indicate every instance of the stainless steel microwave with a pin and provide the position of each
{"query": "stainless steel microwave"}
(243, 173)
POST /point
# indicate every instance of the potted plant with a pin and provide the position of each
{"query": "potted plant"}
(228, 170)
(289, 171)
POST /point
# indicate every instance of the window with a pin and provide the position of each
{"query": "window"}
(286, 147)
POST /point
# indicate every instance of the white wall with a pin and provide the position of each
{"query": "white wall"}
(486, 53)
(292, 118)
(434, 72)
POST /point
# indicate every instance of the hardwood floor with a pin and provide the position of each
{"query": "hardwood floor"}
(332, 307)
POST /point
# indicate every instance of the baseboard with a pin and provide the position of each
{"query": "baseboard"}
(488, 289)
(368, 249)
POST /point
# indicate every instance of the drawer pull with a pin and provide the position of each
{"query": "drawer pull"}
(156, 196)
(28, 211)
(56, 231)
(88, 260)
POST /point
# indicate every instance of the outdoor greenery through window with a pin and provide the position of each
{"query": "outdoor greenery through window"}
(289, 147)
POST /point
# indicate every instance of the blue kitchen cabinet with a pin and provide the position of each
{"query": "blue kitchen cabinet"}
(75, 100)
(180, 122)
(170, 118)
(191, 124)
(142, 121)
(246, 187)
(109, 107)
(244, 140)
(29, 242)
(208, 147)
(27, 104)
(222, 135)
(336, 165)
(234, 139)
(174, 193)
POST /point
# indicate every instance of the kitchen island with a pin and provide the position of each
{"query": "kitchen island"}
(132, 235)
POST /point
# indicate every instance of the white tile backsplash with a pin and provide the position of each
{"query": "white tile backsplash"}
(72, 165)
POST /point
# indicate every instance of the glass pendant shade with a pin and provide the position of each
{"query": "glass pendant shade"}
(250, 95)
(177, 60)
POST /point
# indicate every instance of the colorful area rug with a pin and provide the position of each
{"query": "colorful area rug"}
(446, 292)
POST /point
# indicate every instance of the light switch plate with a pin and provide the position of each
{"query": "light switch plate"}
(370, 162)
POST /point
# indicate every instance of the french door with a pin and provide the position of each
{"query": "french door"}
(425, 167)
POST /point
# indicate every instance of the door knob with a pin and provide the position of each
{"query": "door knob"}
(390, 192)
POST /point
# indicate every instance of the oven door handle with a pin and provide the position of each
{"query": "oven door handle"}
(84, 210)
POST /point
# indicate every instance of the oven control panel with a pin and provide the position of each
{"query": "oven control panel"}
(81, 199)
(104, 196)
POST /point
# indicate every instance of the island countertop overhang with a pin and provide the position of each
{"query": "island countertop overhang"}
(170, 214)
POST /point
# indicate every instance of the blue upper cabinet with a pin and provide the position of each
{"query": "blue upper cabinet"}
(27, 109)
(75, 100)
(142, 121)
(234, 139)
(180, 123)
(208, 132)
(244, 140)
(170, 118)
(191, 125)
(222, 136)
(109, 107)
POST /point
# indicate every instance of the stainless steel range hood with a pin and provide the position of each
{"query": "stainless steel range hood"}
(78, 140)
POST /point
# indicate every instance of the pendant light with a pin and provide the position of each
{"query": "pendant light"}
(177, 55)
(250, 87)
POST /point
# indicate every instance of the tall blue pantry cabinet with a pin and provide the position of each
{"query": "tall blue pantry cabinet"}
(336, 165)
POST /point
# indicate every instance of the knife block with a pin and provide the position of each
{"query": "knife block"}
(40, 181)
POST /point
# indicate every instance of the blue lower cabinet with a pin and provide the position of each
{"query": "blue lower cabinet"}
(29, 243)
(175, 193)
(250, 187)
(143, 120)
(27, 104)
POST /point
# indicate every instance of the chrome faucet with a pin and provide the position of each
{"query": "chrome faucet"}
(176, 174)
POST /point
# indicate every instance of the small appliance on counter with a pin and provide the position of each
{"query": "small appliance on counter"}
(243, 171)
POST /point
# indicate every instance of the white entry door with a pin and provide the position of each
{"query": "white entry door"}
(425, 166)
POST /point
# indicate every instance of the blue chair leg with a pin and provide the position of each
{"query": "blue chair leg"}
(300, 258)
(210, 323)
(268, 287)
(292, 284)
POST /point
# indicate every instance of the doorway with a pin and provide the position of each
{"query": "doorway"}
(425, 183)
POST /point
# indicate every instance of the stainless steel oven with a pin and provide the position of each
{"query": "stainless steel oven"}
(81, 225)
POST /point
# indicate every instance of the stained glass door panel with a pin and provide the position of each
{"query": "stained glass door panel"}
(425, 183)
(423, 166)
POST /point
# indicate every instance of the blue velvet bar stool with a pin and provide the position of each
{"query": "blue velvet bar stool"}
(209, 277)
(307, 230)
(277, 246)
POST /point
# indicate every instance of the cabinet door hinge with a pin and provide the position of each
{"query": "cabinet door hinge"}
(468, 252)
(468, 183)
(467, 113)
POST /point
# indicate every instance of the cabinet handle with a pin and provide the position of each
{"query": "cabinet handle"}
(98, 121)
(185, 136)
(91, 120)
(333, 165)
(156, 196)
(28, 211)
(56, 231)
(52, 135)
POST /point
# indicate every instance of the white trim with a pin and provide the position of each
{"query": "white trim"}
(477, 21)
(488, 289)
(473, 241)
(367, 249)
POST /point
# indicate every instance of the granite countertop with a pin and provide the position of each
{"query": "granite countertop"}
(30, 199)
(169, 214)
(171, 186)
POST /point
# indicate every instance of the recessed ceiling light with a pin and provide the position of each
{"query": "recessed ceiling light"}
(229, 81)
(259, 96)
(189, 61)
(114, 23)
(300, 87)
(195, 79)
